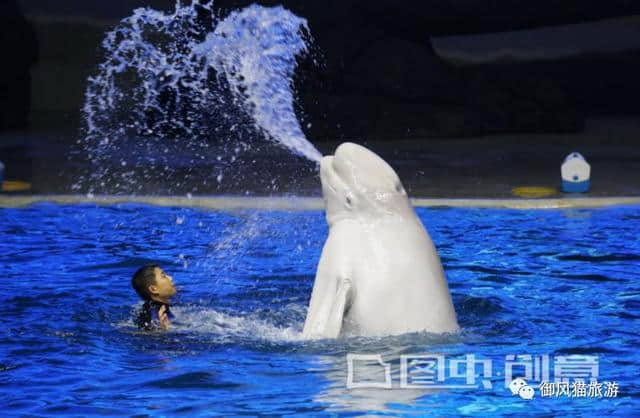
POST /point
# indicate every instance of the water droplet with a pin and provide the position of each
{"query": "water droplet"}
(256, 58)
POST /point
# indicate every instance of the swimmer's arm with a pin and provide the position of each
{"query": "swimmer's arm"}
(163, 317)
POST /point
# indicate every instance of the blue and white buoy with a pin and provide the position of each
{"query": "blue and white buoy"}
(576, 174)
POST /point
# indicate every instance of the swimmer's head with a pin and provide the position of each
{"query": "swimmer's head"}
(152, 283)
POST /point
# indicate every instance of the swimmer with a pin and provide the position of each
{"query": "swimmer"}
(155, 287)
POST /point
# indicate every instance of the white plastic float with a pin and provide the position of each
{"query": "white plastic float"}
(576, 174)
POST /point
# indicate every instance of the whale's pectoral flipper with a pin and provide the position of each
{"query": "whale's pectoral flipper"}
(341, 303)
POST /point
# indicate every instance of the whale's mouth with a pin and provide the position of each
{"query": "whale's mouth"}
(328, 175)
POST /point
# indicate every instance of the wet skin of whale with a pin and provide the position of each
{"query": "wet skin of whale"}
(379, 272)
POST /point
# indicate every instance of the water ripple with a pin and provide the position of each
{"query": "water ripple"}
(566, 284)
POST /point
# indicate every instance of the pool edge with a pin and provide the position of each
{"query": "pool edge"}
(311, 203)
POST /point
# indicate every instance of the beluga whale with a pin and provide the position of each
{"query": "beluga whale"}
(379, 273)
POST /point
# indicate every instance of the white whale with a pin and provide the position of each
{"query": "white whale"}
(379, 273)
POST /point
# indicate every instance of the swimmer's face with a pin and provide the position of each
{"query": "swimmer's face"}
(164, 287)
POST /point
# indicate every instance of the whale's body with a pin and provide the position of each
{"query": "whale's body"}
(379, 272)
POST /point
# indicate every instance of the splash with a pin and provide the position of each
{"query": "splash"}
(184, 89)
(224, 327)
(208, 321)
(255, 50)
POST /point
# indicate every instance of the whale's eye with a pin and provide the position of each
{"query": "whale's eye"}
(348, 201)
(398, 188)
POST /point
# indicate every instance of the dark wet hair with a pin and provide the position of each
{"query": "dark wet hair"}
(142, 279)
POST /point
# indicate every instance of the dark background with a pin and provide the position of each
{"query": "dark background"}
(430, 72)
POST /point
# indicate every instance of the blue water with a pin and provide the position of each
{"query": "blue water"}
(542, 282)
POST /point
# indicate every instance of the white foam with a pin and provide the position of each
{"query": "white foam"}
(194, 318)
(210, 322)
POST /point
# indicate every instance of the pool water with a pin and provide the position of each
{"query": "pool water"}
(542, 283)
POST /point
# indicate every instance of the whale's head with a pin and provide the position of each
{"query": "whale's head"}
(358, 183)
